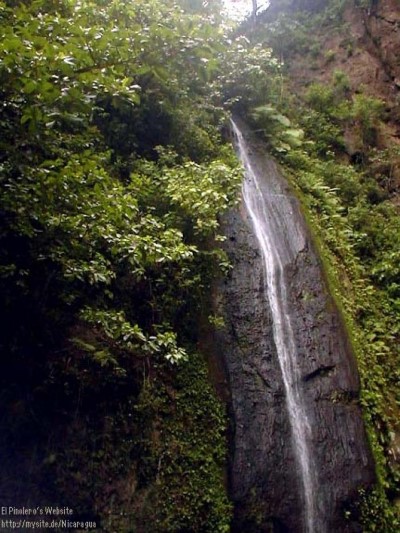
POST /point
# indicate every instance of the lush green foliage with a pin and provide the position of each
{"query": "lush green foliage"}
(359, 241)
(249, 75)
(337, 109)
(186, 453)
(146, 445)
(113, 176)
(291, 31)
(277, 129)
(83, 211)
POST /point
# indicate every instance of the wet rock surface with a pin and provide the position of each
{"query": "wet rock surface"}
(264, 477)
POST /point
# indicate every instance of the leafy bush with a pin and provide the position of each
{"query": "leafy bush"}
(367, 112)
(277, 128)
(113, 176)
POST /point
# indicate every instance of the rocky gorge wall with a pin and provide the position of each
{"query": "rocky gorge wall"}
(359, 38)
(264, 477)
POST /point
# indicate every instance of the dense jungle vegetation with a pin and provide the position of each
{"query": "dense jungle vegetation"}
(114, 173)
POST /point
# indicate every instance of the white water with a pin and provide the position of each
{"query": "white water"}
(279, 240)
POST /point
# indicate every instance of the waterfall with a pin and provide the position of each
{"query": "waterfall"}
(269, 209)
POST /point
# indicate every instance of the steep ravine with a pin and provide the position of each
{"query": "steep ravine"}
(265, 481)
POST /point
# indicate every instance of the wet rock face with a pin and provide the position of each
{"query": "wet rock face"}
(265, 482)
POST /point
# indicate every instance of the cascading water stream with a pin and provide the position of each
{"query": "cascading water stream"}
(269, 211)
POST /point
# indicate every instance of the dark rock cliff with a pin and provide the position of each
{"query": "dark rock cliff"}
(265, 483)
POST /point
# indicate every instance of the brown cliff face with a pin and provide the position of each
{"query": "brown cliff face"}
(354, 54)
(361, 40)
(365, 45)
(382, 28)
